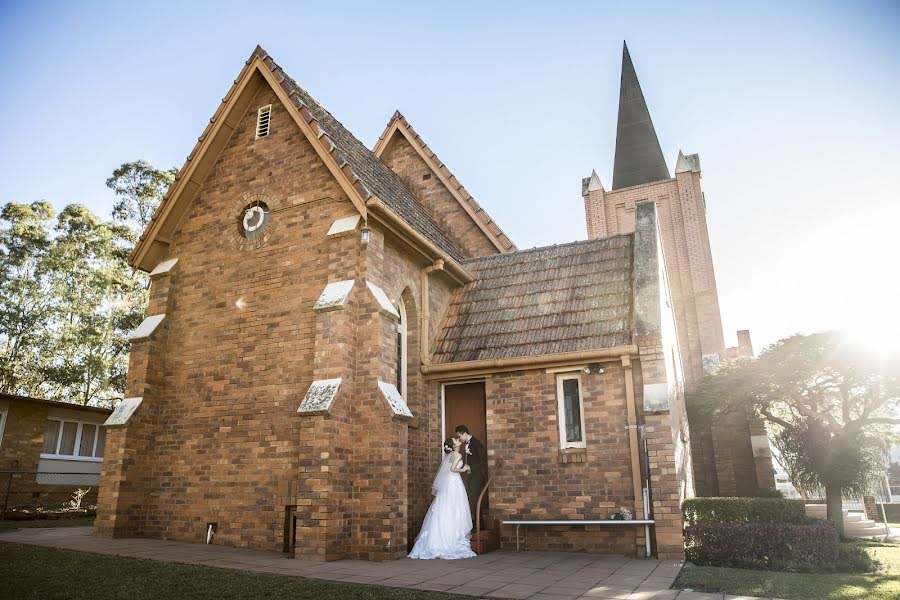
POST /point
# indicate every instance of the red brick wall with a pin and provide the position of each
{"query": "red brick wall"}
(23, 436)
(402, 158)
(221, 412)
(538, 483)
(218, 437)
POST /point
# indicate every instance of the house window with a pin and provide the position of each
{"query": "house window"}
(571, 411)
(2, 425)
(74, 440)
(401, 350)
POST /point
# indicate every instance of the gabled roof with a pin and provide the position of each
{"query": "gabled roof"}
(639, 158)
(361, 174)
(566, 298)
(400, 125)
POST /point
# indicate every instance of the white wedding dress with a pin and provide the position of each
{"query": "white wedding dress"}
(447, 527)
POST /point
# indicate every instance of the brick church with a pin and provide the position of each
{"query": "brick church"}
(323, 315)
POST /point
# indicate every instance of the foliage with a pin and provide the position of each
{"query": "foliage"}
(854, 559)
(140, 187)
(25, 305)
(883, 585)
(771, 546)
(769, 493)
(704, 511)
(832, 407)
(67, 295)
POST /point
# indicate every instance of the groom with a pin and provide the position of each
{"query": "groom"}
(474, 456)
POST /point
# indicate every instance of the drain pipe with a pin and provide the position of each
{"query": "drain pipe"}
(632, 426)
(210, 532)
(645, 464)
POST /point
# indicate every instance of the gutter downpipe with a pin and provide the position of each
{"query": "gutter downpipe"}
(632, 427)
(518, 363)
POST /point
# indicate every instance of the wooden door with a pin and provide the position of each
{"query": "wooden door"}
(464, 404)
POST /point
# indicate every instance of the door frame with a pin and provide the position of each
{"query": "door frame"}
(444, 384)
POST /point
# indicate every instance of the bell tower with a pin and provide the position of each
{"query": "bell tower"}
(723, 460)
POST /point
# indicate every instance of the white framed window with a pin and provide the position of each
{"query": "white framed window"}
(263, 117)
(571, 411)
(2, 425)
(73, 440)
(401, 349)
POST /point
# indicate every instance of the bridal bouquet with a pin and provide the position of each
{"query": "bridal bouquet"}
(623, 514)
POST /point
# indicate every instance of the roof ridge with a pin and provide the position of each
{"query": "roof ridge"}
(539, 248)
(479, 210)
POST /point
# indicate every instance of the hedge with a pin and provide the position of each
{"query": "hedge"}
(771, 546)
(703, 511)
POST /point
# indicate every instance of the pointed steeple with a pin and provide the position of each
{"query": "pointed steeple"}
(639, 158)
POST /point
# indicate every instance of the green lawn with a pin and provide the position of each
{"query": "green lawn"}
(884, 585)
(35, 573)
(10, 525)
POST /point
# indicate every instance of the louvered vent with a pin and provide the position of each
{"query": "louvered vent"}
(262, 121)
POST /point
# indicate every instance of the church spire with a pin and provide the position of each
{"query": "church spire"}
(639, 158)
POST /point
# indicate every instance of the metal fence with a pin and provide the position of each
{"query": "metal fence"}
(28, 494)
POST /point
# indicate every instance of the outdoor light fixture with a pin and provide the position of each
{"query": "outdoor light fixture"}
(364, 235)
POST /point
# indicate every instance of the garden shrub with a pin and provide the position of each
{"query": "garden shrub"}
(770, 546)
(854, 559)
(699, 511)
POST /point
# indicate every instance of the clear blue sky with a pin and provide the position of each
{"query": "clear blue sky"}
(793, 108)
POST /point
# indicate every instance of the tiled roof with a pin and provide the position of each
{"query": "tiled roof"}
(368, 175)
(482, 215)
(565, 298)
(374, 174)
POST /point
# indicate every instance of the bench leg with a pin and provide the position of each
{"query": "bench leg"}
(517, 538)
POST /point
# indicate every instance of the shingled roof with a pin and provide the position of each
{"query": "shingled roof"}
(564, 298)
(501, 240)
(376, 175)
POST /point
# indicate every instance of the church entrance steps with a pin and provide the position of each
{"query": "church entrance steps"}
(855, 523)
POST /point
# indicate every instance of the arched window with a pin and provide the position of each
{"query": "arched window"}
(401, 349)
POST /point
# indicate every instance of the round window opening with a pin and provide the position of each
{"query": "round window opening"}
(253, 220)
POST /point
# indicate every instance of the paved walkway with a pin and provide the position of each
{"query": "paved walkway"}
(503, 574)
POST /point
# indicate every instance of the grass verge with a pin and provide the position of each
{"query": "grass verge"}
(35, 573)
(883, 585)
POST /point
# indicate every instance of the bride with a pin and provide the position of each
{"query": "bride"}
(448, 524)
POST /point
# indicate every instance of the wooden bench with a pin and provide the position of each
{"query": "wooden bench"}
(519, 523)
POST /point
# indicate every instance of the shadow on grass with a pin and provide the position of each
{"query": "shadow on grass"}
(35, 573)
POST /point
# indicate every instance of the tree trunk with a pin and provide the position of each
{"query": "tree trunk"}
(835, 507)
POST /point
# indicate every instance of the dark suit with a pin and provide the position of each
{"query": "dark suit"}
(475, 456)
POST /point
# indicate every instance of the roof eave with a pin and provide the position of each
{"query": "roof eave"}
(399, 124)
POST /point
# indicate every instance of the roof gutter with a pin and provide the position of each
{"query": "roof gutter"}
(451, 266)
(518, 363)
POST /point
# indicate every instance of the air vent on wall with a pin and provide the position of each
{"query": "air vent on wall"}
(262, 121)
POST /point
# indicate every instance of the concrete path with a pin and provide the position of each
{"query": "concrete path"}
(503, 574)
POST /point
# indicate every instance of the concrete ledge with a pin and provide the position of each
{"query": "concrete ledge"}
(334, 295)
(319, 397)
(146, 328)
(123, 412)
(163, 268)
(384, 303)
(395, 401)
(344, 226)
